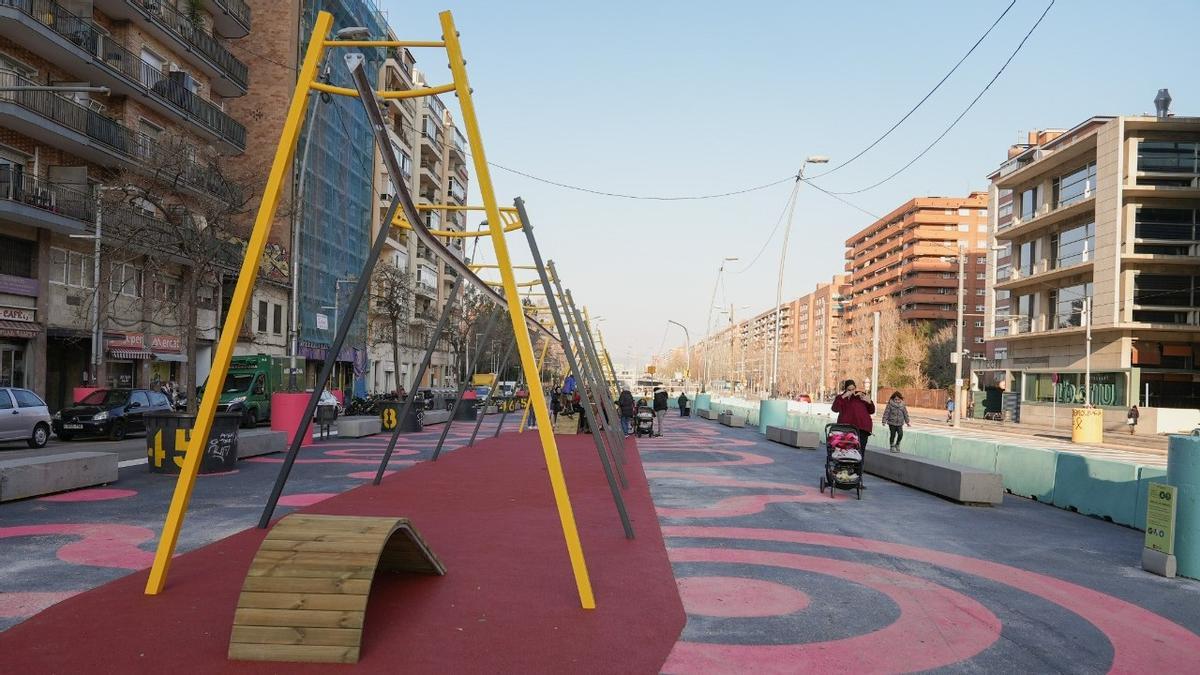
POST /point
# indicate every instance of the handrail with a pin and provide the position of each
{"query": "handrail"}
(174, 21)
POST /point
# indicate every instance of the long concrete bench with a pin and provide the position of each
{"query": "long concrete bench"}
(960, 483)
(435, 417)
(708, 414)
(794, 437)
(33, 476)
(261, 442)
(359, 426)
(731, 420)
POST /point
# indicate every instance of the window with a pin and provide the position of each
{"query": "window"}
(1073, 246)
(978, 340)
(964, 227)
(125, 279)
(1029, 203)
(1168, 157)
(27, 399)
(140, 398)
(981, 227)
(71, 268)
(980, 308)
(981, 243)
(1160, 290)
(981, 260)
(166, 288)
(1075, 186)
(980, 291)
(262, 316)
(1067, 305)
(1162, 231)
(18, 257)
(981, 276)
(979, 323)
(277, 320)
(964, 212)
(159, 399)
(1025, 257)
(1024, 313)
(5, 401)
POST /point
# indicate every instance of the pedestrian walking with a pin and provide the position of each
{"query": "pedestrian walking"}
(683, 404)
(1132, 418)
(855, 408)
(660, 408)
(625, 405)
(895, 415)
(555, 406)
(949, 410)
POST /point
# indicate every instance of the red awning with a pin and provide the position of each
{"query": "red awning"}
(129, 354)
(19, 329)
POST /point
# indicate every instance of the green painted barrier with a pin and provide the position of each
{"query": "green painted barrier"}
(1096, 487)
(702, 402)
(772, 412)
(1146, 475)
(973, 452)
(1183, 471)
(1028, 472)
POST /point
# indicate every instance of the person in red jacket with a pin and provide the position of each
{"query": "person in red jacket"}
(855, 408)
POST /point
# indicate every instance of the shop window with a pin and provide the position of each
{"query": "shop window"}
(18, 257)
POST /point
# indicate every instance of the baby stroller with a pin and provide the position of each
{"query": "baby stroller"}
(843, 459)
(643, 421)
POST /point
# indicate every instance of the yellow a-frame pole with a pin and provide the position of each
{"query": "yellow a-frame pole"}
(238, 305)
(541, 361)
(516, 313)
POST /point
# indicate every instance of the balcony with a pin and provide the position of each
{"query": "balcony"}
(76, 45)
(1043, 274)
(160, 19)
(458, 144)
(457, 192)
(36, 203)
(231, 18)
(1046, 217)
(63, 123)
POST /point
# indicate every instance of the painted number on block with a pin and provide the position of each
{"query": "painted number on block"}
(388, 417)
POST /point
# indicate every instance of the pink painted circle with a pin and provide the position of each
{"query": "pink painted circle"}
(305, 498)
(736, 597)
(91, 495)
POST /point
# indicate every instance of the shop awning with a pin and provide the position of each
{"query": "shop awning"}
(19, 329)
(130, 354)
(174, 358)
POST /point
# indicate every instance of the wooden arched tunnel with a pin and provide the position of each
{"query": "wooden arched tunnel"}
(306, 593)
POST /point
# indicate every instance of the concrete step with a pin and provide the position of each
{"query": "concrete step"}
(358, 426)
(33, 476)
(960, 483)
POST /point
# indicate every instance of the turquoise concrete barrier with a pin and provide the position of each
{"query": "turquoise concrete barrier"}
(1028, 472)
(973, 452)
(771, 412)
(1183, 471)
(1096, 487)
(1146, 475)
(702, 401)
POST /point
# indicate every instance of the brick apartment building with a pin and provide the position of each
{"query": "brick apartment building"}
(910, 258)
(64, 154)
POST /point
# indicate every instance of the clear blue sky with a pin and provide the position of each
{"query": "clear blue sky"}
(671, 98)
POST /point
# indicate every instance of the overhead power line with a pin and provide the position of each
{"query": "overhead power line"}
(960, 115)
(657, 198)
(923, 99)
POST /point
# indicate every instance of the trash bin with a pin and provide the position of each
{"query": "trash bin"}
(1087, 425)
(326, 416)
(466, 407)
(168, 434)
(389, 411)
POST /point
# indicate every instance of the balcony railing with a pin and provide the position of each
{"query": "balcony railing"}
(460, 143)
(238, 9)
(176, 23)
(172, 88)
(15, 186)
(134, 146)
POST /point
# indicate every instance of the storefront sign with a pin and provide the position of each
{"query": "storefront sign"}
(322, 322)
(17, 314)
(1160, 518)
(129, 341)
(18, 285)
(166, 343)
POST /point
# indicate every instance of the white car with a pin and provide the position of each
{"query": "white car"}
(23, 417)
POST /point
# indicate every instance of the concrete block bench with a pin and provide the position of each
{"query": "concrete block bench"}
(435, 417)
(260, 442)
(731, 420)
(708, 414)
(33, 476)
(794, 437)
(960, 483)
(358, 426)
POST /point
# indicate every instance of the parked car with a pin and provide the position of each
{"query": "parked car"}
(113, 413)
(24, 417)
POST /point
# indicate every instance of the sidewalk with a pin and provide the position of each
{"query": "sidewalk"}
(1142, 443)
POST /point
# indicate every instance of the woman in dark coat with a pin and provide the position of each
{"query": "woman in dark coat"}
(683, 401)
(625, 404)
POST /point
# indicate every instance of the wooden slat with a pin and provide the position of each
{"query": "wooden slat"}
(277, 585)
(317, 557)
(271, 568)
(316, 618)
(298, 533)
(294, 653)
(322, 546)
(300, 601)
(296, 635)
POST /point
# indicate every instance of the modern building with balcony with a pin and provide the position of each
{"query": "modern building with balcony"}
(1103, 233)
(910, 258)
(139, 107)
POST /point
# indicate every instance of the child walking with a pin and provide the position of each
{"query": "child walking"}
(895, 415)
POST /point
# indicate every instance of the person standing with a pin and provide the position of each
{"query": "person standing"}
(1132, 419)
(625, 405)
(854, 408)
(895, 415)
(949, 410)
(660, 408)
(683, 407)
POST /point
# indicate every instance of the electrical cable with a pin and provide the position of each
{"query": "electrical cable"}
(960, 115)
(778, 222)
(923, 99)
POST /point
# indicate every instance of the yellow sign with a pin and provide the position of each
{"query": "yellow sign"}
(651, 369)
(1160, 518)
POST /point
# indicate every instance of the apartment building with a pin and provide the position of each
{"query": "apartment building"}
(130, 137)
(909, 258)
(432, 153)
(1105, 216)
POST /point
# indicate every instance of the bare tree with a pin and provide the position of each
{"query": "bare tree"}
(390, 318)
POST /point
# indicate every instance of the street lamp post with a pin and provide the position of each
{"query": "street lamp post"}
(958, 340)
(97, 330)
(687, 349)
(814, 159)
(708, 326)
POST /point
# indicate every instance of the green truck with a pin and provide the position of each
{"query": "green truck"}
(249, 384)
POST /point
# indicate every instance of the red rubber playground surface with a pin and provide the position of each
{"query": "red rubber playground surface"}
(507, 604)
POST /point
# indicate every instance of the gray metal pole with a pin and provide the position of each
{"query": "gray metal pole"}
(572, 363)
(462, 386)
(492, 392)
(589, 348)
(412, 396)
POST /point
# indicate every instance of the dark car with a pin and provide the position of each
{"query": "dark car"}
(109, 412)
